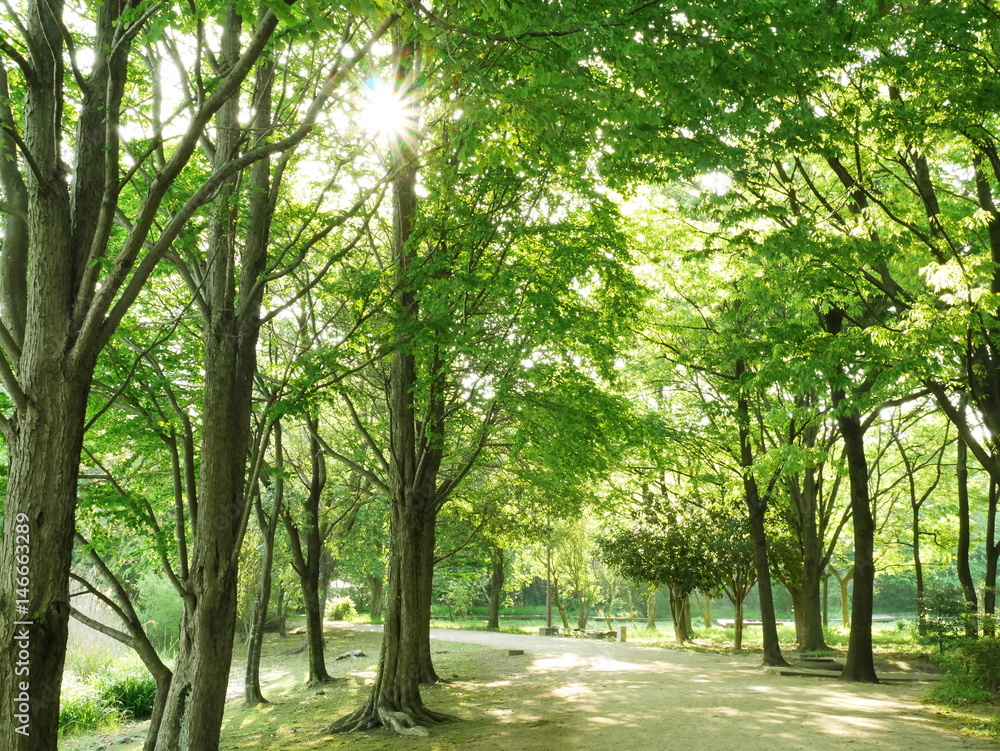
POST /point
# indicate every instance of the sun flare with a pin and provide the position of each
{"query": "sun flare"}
(385, 111)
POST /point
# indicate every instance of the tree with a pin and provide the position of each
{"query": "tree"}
(68, 277)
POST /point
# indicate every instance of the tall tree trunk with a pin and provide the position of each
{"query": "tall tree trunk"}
(252, 694)
(395, 699)
(428, 675)
(738, 625)
(860, 663)
(45, 379)
(651, 608)
(769, 625)
(681, 615)
(797, 608)
(193, 716)
(756, 507)
(964, 534)
(498, 559)
(561, 605)
(808, 612)
(992, 554)
(282, 612)
(583, 614)
(306, 540)
(375, 583)
(314, 633)
(810, 602)
(918, 571)
(327, 566)
(44, 448)
(843, 582)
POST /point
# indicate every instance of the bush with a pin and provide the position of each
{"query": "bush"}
(340, 609)
(130, 690)
(81, 707)
(946, 616)
(973, 673)
(980, 660)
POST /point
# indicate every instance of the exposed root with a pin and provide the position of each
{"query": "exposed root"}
(322, 681)
(412, 722)
(402, 723)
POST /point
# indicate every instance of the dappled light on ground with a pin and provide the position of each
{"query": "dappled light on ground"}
(568, 694)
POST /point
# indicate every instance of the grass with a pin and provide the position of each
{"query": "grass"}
(296, 716)
(968, 696)
(894, 638)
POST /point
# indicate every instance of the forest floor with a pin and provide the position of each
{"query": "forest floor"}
(580, 694)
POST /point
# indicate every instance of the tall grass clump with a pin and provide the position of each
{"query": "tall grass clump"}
(81, 708)
(129, 689)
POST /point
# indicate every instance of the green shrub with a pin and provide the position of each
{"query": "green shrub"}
(130, 690)
(946, 616)
(980, 660)
(973, 673)
(340, 609)
(81, 708)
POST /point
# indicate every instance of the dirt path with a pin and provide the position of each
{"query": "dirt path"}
(576, 694)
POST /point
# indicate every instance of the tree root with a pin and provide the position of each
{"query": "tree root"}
(322, 681)
(411, 722)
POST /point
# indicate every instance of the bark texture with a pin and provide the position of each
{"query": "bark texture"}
(860, 664)
(193, 717)
(252, 694)
(414, 460)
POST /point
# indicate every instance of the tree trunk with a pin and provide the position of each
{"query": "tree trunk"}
(843, 582)
(193, 716)
(327, 566)
(681, 614)
(583, 615)
(427, 674)
(964, 534)
(811, 604)
(375, 584)
(756, 506)
(44, 448)
(269, 526)
(395, 700)
(497, 579)
(918, 570)
(738, 625)
(651, 608)
(163, 679)
(769, 626)
(282, 612)
(561, 606)
(860, 664)
(797, 608)
(44, 438)
(306, 541)
(314, 634)
(992, 554)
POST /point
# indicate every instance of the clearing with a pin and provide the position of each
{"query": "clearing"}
(578, 694)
